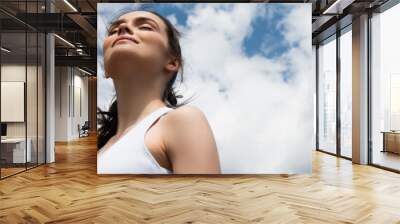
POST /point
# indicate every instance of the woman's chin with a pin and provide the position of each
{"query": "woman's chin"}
(122, 65)
(123, 60)
(122, 51)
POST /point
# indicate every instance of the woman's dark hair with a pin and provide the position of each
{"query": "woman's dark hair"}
(108, 120)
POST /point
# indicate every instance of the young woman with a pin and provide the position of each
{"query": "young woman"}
(145, 131)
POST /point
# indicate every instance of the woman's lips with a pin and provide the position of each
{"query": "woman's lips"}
(124, 39)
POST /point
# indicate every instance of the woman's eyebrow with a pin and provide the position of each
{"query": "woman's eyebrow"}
(136, 20)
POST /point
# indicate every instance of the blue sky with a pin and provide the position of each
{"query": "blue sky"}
(248, 66)
(266, 30)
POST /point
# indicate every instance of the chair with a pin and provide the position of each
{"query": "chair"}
(84, 130)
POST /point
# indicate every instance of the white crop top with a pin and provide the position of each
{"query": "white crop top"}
(130, 155)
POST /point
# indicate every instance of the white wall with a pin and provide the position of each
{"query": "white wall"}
(70, 83)
(61, 103)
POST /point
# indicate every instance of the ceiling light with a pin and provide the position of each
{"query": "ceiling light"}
(84, 71)
(80, 51)
(338, 6)
(70, 5)
(64, 40)
(5, 50)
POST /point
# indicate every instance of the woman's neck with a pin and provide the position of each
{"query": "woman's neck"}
(135, 101)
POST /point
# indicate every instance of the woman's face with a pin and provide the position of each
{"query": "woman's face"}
(137, 42)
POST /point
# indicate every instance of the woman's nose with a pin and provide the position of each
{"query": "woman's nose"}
(123, 28)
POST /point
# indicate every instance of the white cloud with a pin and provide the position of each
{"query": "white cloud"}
(262, 124)
(295, 30)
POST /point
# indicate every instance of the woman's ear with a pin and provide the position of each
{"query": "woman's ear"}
(172, 65)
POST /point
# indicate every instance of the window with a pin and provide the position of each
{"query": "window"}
(327, 96)
(346, 93)
(385, 88)
(22, 78)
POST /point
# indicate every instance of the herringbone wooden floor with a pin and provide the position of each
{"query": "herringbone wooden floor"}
(69, 191)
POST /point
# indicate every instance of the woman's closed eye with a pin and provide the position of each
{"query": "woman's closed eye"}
(112, 31)
(146, 27)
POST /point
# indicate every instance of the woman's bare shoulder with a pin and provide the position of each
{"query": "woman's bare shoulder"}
(189, 141)
(186, 113)
(186, 120)
(188, 137)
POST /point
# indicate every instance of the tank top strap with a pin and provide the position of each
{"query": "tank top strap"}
(145, 127)
(153, 117)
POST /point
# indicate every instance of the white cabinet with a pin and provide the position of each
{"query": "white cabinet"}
(18, 149)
